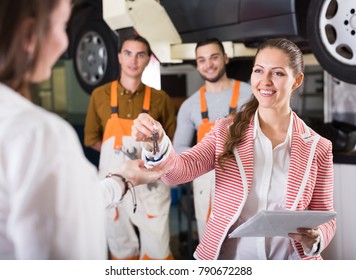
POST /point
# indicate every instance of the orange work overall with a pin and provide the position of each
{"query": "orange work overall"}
(204, 186)
(206, 126)
(153, 202)
(117, 144)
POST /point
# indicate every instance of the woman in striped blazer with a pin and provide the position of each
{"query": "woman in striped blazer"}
(265, 158)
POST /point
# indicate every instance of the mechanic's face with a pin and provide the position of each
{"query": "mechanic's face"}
(211, 62)
(56, 43)
(133, 59)
(273, 81)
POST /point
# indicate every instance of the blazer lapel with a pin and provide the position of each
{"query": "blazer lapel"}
(244, 158)
(302, 153)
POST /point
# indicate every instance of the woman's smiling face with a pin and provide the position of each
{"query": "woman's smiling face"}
(273, 80)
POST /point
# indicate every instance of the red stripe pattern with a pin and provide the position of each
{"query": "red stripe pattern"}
(230, 192)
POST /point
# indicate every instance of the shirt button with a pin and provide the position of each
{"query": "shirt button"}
(129, 115)
(129, 100)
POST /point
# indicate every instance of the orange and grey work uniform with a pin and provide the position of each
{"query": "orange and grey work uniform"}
(192, 120)
(114, 108)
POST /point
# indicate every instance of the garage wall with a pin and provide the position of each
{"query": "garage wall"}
(343, 245)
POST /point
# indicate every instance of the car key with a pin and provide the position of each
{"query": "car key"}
(154, 138)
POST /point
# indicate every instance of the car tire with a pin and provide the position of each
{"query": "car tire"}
(332, 36)
(95, 55)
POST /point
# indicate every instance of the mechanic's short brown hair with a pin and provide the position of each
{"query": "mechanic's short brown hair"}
(137, 38)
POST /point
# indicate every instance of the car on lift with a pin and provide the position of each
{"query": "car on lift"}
(327, 28)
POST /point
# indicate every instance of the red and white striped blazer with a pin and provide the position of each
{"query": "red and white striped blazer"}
(310, 180)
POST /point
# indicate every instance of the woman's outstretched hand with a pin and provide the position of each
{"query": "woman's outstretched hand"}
(136, 172)
(144, 127)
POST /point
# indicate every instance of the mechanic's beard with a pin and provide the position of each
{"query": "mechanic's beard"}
(220, 74)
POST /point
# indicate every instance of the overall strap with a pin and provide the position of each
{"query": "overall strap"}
(233, 103)
(147, 100)
(235, 97)
(114, 100)
(203, 107)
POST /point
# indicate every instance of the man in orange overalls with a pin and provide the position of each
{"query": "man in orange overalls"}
(111, 112)
(217, 98)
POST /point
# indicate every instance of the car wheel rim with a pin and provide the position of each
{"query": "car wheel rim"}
(337, 25)
(91, 58)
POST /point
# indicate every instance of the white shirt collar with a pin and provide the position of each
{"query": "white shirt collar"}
(257, 127)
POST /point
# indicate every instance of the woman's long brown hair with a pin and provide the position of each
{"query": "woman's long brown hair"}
(16, 64)
(243, 118)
